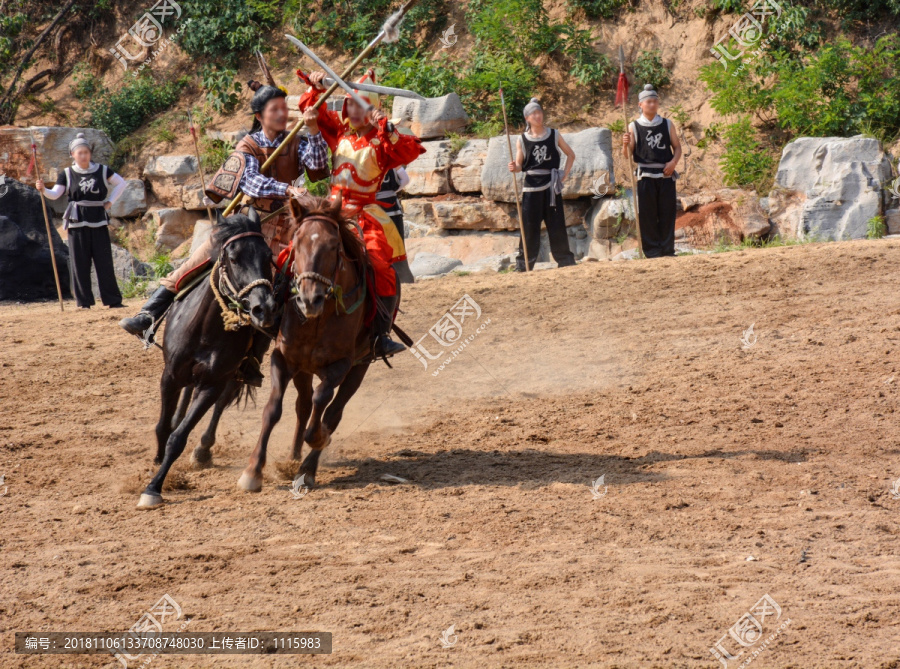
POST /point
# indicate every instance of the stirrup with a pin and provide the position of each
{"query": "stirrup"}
(250, 377)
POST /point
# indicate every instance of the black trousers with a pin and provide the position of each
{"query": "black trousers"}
(656, 209)
(535, 210)
(91, 245)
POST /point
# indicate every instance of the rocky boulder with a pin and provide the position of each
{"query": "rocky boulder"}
(132, 202)
(168, 177)
(892, 220)
(173, 226)
(610, 217)
(52, 148)
(26, 271)
(829, 188)
(466, 166)
(474, 213)
(432, 117)
(708, 225)
(429, 174)
(470, 248)
(431, 264)
(592, 173)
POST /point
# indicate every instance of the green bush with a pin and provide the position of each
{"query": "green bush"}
(728, 6)
(745, 161)
(832, 89)
(589, 68)
(121, 112)
(876, 228)
(601, 9)
(11, 26)
(648, 69)
(87, 84)
(222, 88)
(229, 31)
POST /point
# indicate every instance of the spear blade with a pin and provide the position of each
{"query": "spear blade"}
(331, 73)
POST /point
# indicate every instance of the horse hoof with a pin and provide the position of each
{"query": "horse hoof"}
(305, 480)
(201, 458)
(150, 501)
(250, 483)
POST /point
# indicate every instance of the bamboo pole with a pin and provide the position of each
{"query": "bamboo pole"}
(515, 184)
(37, 167)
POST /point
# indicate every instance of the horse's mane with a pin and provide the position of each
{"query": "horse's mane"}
(229, 227)
(353, 245)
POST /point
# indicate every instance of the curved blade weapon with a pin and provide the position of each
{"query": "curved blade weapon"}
(390, 32)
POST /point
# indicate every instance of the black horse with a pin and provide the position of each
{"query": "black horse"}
(207, 335)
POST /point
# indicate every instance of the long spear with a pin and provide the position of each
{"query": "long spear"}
(622, 97)
(212, 219)
(515, 184)
(37, 167)
(389, 33)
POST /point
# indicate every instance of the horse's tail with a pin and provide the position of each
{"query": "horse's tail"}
(245, 394)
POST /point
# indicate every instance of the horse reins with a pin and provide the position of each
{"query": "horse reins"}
(237, 315)
(315, 276)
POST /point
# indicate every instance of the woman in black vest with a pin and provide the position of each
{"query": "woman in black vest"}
(539, 154)
(653, 143)
(91, 189)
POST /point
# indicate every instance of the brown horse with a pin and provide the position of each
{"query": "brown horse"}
(323, 333)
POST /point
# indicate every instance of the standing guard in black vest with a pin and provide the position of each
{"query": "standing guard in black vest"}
(653, 143)
(394, 181)
(91, 189)
(539, 154)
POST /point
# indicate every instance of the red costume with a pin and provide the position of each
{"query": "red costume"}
(360, 162)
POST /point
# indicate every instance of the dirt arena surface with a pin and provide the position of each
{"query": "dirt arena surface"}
(711, 452)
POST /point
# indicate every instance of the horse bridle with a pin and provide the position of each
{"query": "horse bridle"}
(315, 276)
(235, 296)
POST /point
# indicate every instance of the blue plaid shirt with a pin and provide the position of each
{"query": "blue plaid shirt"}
(313, 153)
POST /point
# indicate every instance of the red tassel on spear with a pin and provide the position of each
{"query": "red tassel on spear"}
(622, 84)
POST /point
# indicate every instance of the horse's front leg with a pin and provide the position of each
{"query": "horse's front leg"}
(168, 394)
(318, 436)
(202, 456)
(303, 382)
(251, 478)
(346, 391)
(204, 398)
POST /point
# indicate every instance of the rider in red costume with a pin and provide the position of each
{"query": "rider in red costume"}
(364, 147)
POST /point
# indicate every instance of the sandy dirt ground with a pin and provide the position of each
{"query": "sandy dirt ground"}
(730, 472)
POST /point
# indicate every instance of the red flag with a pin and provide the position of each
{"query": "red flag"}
(622, 90)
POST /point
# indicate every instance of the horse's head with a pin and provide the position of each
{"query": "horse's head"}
(318, 250)
(245, 265)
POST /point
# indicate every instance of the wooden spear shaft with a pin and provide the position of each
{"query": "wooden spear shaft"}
(212, 220)
(322, 99)
(37, 167)
(634, 200)
(515, 184)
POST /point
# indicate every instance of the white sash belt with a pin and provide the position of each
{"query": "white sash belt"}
(555, 184)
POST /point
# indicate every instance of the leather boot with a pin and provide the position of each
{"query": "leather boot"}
(250, 370)
(384, 346)
(151, 311)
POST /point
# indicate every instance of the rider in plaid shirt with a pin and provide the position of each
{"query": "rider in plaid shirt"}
(271, 115)
(313, 153)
